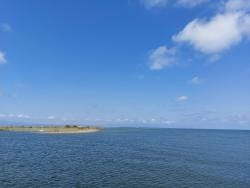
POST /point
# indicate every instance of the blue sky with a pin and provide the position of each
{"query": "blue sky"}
(182, 63)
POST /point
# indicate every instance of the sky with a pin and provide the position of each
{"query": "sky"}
(160, 63)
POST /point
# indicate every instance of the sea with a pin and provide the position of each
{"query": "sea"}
(126, 157)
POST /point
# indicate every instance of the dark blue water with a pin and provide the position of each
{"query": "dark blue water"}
(126, 158)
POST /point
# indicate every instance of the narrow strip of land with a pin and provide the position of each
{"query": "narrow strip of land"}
(68, 129)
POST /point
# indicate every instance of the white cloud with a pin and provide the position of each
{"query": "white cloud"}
(237, 5)
(2, 58)
(161, 57)
(5, 27)
(210, 36)
(51, 117)
(2, 115)
(182, 98)
(162, 3)
(220, 33)
(190, 3)
(22, 116)
(154, 3)
(168, 122)
(214, 58)
(195, 80)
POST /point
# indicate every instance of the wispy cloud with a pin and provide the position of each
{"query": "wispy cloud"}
(163, 3)
(154, 3)
(190, 3)
(51, 117)
(21, 116)
(2, 58)
(195, 81)
(209, 36)
(162, 57)
(182, 98)
(214, 58)
(5, 27)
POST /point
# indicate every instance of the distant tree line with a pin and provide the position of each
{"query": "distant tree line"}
(71, 126)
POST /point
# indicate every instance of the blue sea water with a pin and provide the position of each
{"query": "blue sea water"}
(126, 157)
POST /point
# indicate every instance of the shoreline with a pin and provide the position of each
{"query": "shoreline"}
(69, 132)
